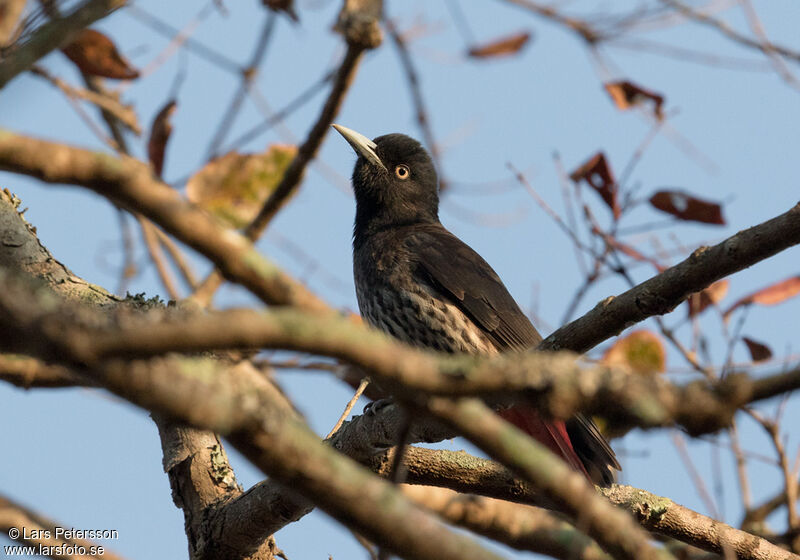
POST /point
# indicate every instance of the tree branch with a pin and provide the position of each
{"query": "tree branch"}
(557, 383)
(518, 526)
(358, 41)
(131, 184)
(26, 372)
(468, 474)
(52, 35)
(200, 477)
(663, 292)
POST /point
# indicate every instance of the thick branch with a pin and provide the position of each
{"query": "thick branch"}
(285, 448)
(209, 395)
(569, 490)
(519, 526)
(131, 184)
(26, 372)
(557, 383)
(201, 479)
(52, 35)
(162, 385)
(468, 474)
(663, 292)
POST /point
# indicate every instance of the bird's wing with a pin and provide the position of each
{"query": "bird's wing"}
(468, 280)
(464, 277)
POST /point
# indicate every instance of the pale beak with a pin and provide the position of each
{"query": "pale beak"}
(361, 144)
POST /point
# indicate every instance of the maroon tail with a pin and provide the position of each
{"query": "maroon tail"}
(552, 434)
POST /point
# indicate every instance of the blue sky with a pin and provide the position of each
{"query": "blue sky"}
(92, 461)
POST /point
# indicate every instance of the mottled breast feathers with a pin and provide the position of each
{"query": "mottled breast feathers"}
(460, 273)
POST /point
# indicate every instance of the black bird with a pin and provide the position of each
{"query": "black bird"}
(418, 282)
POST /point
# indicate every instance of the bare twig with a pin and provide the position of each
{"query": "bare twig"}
(177, 257)
(294, 173)
(351, 403)
(124, 113)
(157, 256)
(766, 47)
(423, 120)
(197, 47)
(249, 73)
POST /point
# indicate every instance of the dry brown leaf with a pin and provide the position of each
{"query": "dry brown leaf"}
(687, 207)
(597, 173)
(641, 351)
(505, 46)
(159, 135)
(95, 54)
(233, 187)
(286, 6)
(759, 352)
(626, 94)
(771, 295)
(699, 301)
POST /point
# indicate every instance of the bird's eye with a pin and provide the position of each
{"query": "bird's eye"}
(402, 172)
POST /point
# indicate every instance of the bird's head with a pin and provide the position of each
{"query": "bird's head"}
(394, 181)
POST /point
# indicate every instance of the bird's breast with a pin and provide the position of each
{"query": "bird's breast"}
(416, 315)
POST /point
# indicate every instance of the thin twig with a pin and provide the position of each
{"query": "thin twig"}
(248, 75)
(700, 485)
(777, 62)
(157, 256)
(423, 120)
(741, 467)
(128, 252)
(351, 403)
(766, 47)
(177, 257)
(294, 173)
(177, 41)
(197, 47)
(789, 479)
(124, 113)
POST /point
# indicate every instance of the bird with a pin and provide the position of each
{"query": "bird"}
(421, 284)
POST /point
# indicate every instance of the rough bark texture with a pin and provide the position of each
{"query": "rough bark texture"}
(195, 462)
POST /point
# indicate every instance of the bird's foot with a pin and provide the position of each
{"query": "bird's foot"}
(374, 407)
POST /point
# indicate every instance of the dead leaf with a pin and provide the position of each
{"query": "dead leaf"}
(641, 351)
(759, 352)
(286, 6)
(94, 53)
(159, 135)
(233, 187)
(505, 46)
(687, 207)
(626, 94)
(699, 301)
(597, 174)
(771, 295)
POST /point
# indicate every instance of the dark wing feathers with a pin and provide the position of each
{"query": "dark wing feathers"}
(593, 450)
(458, 271)
(462, 274)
